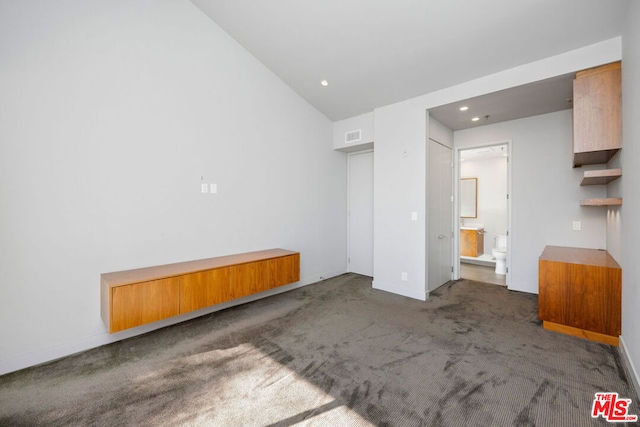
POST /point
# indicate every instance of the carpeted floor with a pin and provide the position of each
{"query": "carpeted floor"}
(336, 353)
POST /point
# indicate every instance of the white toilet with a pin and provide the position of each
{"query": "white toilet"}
(500, 254)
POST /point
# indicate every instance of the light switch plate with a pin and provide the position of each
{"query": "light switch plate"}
(414, 216)
(214, 189)
(577, 226)
(204, 188)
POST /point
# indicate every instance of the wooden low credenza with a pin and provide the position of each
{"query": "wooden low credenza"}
(135, 297)
(579, 293)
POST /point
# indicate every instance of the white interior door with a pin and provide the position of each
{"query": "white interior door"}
(440, 228)
(360, 215)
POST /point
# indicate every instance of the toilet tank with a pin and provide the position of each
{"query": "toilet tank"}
(501, 241)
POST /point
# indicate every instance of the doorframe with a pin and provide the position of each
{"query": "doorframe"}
(349, 155)
(452, 213)
(456, 208)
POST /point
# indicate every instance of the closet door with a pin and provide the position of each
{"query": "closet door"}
(360, 214)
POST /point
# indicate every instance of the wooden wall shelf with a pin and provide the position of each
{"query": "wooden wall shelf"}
(601, 202)
(136, 297)
(600, 177)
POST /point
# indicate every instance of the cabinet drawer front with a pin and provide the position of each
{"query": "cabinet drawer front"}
(247, 279)
(141, 303)
(284, 270)
(203, 289)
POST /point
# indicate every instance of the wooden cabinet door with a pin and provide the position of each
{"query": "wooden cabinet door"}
(600, 302)
(284, 270)
(141, 303)
(199, 290)
(597, 114)
(553, 291)
(469, 243)
(247, 279)
(581, 296)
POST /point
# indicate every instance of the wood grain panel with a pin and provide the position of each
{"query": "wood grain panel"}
(580, 288)
(552, 291)
(600, 177)
(199, 290)
(284, 270)
(142, 303)
(581, 333)
(247, 279)
(119, 278)
(135, 297)
(471, 243)
(597, 115)
(612, 201)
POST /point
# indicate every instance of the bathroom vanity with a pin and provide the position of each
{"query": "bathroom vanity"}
(471, 241)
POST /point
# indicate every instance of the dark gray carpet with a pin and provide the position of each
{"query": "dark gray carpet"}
(336, 353)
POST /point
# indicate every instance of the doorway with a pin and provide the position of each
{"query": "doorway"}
(440, 234)
(360, 213)
(484, 213)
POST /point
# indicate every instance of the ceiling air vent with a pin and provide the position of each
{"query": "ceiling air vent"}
(353, 136)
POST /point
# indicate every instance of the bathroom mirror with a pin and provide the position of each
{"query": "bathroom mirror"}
(468, 197)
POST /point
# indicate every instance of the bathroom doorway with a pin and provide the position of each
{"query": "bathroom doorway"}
(483, 213)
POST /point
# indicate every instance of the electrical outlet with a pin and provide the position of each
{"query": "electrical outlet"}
(577, 226)
(404, 276)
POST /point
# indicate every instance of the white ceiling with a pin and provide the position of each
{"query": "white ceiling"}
(377, 52)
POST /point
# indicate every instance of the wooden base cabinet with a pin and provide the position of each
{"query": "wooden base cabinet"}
(471, 242)
(136, 297)
(580, 293)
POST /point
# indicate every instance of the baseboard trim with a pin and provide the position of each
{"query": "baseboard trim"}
(635, 378)
(398, 290)
(581, 333)
(50, 354)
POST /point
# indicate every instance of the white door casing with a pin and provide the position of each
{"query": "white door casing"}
(440, 226)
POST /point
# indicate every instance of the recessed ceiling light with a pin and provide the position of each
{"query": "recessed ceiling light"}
(464, 108)
(475, 119)
(324, 83)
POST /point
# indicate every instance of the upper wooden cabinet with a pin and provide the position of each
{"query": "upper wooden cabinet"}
(597, 114)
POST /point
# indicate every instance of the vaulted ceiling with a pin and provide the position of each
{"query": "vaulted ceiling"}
(376, 52)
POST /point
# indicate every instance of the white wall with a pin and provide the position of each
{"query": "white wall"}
(400, 169)
(440, 133)
(630, 155)
(491, 196)
(364, 123)
(546, 191)
(110, 114)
